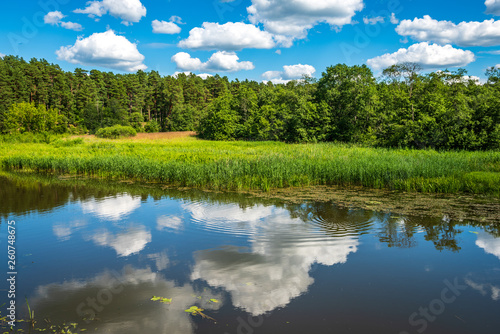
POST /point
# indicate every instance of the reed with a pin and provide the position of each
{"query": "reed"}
(261, 165)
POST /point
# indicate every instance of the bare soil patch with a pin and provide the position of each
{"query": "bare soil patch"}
(154, 136)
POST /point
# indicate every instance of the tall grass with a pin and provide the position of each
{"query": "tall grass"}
(261, 165)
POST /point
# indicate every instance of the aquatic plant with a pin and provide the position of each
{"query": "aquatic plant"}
(262, 165)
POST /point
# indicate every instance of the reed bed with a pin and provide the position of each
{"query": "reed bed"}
(189, 162)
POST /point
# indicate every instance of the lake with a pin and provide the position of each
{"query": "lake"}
(92, 256)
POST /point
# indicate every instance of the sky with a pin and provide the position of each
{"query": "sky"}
(262, 40)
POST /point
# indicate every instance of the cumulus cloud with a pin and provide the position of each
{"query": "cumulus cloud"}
(290, 72)
(125, 243)
(221, 61)
(116, 293)
(228, 37)
(106, 50)
(275, 269)
(169, 223)
(188, 73)
(373, 20)
(429, 56)
(161, 260)
(64, 231)
(486, 33)
(2, 55)
(163, 27)
(293, 19)
(55, 18)
(489, 243)
(127, 10)
(112, 208)
(492, 7)
(394, 19)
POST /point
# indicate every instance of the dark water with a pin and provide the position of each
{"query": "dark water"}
(95, 255)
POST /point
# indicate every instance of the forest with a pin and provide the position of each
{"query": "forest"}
(442, 110)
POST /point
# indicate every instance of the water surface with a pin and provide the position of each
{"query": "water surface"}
(96, 255)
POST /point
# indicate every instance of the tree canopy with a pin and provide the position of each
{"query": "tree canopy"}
(403, 108)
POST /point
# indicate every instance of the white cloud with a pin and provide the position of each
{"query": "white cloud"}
(293, 19)
(221, 61)
(169, 222)
(429, 56)
(201, 75)
(204, 76)
(72, 26)
(489, 243)
(161, 260)
(492, 7)
(127, 10)
(125, 243)
(2, 55)
(127, 287)
(298, 71)
(106, 50)
(163, 27)
(54, 18)
(275, 269)
(93, 9)
(290, 72)
(111, 208)
(394, 19)
(373, 20)
(184, 61)
(64, 231)
(176, 19)
(486, 33)
(228, 37)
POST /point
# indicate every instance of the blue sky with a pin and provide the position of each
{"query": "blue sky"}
(276, 40)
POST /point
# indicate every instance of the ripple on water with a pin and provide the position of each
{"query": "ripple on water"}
(269, 222)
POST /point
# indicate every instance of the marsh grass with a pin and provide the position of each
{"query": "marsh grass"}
(189, 162)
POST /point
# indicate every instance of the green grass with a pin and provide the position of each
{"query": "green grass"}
(260, 165)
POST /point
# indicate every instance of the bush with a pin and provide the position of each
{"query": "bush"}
(116, 131)
(152, 126)
(67, 142)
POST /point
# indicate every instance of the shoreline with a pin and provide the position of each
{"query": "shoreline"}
(482, 209)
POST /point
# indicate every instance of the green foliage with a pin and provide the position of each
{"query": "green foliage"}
(221, 121)
(27, 117)
(263, 165)
(442, 110)
(116, 131)
(152, 126)
(135, 121)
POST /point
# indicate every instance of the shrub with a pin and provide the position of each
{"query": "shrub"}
(152, 126)
(116, 131)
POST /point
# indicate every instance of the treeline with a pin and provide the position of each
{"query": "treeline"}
(440, 110)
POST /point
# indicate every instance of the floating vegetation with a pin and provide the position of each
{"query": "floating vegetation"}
(162, 300)
(195, 310)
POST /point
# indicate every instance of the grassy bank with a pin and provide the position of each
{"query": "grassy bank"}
(259, 165)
